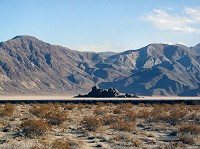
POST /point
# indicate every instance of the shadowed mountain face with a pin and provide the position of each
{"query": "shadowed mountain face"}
(31, 66)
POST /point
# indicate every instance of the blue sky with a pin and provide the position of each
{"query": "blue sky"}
(102, 25)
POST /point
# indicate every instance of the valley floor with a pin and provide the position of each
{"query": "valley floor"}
(99, 125)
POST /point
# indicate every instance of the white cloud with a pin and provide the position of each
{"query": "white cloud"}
(183, 22)
(194, 14)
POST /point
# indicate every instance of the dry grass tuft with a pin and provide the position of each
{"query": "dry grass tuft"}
(34, 128)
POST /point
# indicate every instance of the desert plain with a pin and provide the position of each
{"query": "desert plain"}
(107, 125)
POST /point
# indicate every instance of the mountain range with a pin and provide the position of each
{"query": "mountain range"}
(31, 66)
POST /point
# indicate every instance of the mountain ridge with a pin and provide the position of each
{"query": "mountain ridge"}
(30, 66)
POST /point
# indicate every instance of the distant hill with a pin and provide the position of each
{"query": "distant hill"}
(31, 66)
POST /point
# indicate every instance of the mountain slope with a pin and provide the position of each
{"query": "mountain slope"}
(165, 79)
(31, 66)
(177, 73)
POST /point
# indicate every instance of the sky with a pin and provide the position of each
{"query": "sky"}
(102, 25)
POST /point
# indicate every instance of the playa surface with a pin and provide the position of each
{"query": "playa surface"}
(70, 97)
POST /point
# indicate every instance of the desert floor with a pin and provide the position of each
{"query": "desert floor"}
(99, 125)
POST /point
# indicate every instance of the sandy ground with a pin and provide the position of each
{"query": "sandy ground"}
(70, 97)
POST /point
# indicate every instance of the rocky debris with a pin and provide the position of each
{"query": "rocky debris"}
(102, 93)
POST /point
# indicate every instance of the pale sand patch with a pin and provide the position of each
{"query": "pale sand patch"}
(35, 97)
(170, 97)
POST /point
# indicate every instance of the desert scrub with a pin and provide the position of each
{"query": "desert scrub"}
(190, 128)
(121, 108)
(56, 144)
(126, 138)
(117, 110)
(123, 126)
(81, 106)
(7, 109)
(125, 106)
(100, 104)
(101, 111)
(69, 106)
(157, 115)
(195, 117)
(91, 123)
(176, 116)
(130, 116)
(188, 133)
(54, 115)
(60, 144)
(110, 119)
(187, 139)
(143, 113)
(33, 128)
(40, 110)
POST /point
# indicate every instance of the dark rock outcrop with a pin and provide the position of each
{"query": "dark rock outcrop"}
(110, 93)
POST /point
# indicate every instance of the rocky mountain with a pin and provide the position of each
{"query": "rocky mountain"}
(197, 48)
(160, 70)
(31, 66)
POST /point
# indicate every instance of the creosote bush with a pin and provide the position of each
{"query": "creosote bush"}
(117, 110)
(100, 111)
(69, 106)
(175, 116)
(130, 116)
(7, 109)
(110, 119)
(52, 114)
(33, 128)
(123, 126)
(56, 117)
(191, 128)
(121, 108)
(40, 110)
(60, 144)
(188, 133)
(91, 123)
(144, 113)
(187, 139)
(125, 106)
